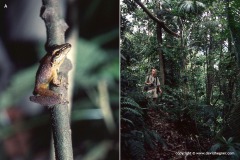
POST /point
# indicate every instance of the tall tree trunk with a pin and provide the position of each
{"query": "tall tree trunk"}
(160, 53)
(235, 31)
(230, 112)
(161, 56)
(235, 38)
(210, 71)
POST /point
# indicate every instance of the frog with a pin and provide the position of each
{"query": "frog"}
(48, 73)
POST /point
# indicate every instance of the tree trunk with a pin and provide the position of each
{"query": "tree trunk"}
(210, 70)
(160, 53)
(235, 32)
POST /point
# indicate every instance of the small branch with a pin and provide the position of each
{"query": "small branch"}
(59, 114)
(161, 23)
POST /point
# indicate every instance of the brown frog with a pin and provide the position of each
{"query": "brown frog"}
(48, 74)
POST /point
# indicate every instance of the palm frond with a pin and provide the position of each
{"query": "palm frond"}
(191, 6)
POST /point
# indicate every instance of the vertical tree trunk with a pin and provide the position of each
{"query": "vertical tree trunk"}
(235, 32)
(235, 38)
(182, 70)
(160, 52)
(210, 70)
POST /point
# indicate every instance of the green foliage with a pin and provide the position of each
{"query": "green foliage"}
(125, 120)
(91, 70)
(134, 135)
(133, 111)
(21, 83)
(129, 101)
(227, 145)
(130, 111)
(152, 138)
(133, 144)
(191, 7)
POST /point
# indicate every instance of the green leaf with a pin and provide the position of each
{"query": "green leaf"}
(94, 64)
(21, 83)
(236, 153)
(134, 111)
(130, 101)
(127, 120)
(215, 147)
(230, 140)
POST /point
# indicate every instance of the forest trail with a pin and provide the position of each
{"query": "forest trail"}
(175, 140)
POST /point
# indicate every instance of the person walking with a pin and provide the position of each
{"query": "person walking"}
(153, 83)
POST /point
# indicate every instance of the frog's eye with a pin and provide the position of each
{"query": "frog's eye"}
(57, 53)
(57, 58)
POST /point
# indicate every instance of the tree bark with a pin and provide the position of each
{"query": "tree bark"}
(160, 53)
(210, 70)
(235, 32)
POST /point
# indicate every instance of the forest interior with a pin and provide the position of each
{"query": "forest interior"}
(195, 46)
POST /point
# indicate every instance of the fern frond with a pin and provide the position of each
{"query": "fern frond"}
(130, 102)
(127, 120)
(159, 139)
(149, 139)
(134, 111)
(215, 147)
(137, 149)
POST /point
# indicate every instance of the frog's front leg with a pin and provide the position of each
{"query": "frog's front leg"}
(60, 79)
(55, 79)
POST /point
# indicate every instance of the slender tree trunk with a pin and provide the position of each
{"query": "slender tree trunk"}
(182, 70)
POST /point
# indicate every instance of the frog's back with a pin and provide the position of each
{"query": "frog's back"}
(44, 73)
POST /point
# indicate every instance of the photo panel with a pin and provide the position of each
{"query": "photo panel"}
(59, 74)
(180, 79)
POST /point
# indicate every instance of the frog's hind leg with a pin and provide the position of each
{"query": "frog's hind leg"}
(43, 90)
(45, 100)
(44, 96)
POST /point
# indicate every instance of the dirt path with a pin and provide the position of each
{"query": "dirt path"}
(175, 142)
